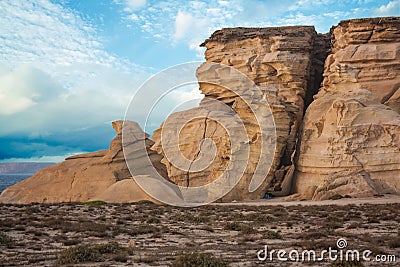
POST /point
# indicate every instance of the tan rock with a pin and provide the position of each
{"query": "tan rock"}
(350, 184)
(124, 191)
(366, 54)
(283, 62)
(350, 134)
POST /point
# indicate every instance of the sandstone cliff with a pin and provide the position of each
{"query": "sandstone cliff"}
(350, 139)
(283, 62)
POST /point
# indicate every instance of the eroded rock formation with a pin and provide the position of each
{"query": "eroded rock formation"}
(347, 144)
(351, 132)
(283, 62)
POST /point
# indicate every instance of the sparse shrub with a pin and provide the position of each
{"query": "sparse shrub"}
(95, 202)
(153, 220)
(147, 258)
(272, 235)
(91, 228)
(141, 229)
(198, 260)
(92, 253)
(259, 217)
(80, 253)
(232, 226)
(354, 225)
(6, 223)
(6, 240)
(339, 263)
(107, 248)
(145, 203)
(120, 257)
(394, 243)
(32, 210)
(235, 226)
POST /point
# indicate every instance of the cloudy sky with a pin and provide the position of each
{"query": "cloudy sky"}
(68, 68)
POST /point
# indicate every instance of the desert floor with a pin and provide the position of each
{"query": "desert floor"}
(145, 234)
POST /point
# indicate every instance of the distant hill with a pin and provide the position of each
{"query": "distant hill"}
(23, 167)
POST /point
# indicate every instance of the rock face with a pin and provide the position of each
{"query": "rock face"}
(347, 145)
(350, 140)
(92, 176)
(284, 63)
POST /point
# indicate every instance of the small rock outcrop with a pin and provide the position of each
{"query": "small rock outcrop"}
(350, 140)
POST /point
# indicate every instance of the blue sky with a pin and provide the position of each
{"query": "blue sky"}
(68, 68)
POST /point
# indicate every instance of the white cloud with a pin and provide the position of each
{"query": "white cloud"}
(47, 33)
(189, 27)
(131, 5)
(51, 108)
(191, 22)
(135, 4)
(55, 74)
(391, 9)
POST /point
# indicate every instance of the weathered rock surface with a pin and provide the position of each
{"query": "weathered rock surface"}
(81, 178)
(283, 62)
(353, 125)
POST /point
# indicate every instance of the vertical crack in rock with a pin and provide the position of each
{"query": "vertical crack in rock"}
(355, 51)
(370, 35)
(249, 61)
(198, 153)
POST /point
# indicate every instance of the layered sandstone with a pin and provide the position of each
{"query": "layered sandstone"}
(92, 176)
(284, 63)
(353, 125)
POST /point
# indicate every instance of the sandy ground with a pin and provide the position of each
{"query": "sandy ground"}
(145, 234)
(384, 199)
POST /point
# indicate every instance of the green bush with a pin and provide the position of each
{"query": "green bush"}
(198, 260)
(93, 253)
(272, 235)
(80, 253)
(95, 202)
(234, 226)
(153, 220)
